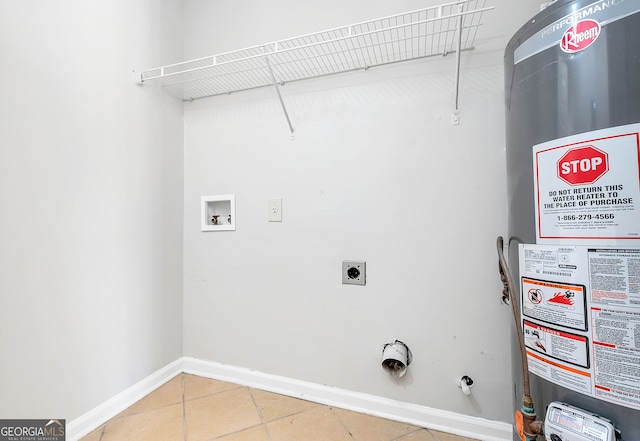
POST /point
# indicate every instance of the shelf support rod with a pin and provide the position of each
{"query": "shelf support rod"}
(284, 108)
(455, 119)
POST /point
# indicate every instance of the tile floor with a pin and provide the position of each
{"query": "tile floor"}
(192, 408)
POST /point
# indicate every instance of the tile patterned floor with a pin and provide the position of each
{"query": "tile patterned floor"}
(192, 408)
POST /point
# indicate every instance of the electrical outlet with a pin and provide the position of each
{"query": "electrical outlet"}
(354, 272)
(274, 212)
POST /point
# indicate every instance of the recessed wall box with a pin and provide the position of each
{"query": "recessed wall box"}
(218, 213)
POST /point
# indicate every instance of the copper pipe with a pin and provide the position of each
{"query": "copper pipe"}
(531, 427)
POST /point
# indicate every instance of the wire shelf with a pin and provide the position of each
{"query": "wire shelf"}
(408, 36)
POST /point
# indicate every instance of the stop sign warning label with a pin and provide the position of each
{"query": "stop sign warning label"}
(587, 187)
(583, 165)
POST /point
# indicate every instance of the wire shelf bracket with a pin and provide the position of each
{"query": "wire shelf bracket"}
(284, 108)
(438, 30)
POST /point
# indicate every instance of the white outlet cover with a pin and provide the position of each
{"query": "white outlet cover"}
(274, 210)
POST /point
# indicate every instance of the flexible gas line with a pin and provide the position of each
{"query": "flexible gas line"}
(531, 427)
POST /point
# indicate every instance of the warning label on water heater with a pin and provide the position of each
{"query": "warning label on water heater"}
(587, 187)
(580, 315)
(555, 303)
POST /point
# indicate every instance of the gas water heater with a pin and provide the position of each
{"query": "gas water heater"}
(572, 90)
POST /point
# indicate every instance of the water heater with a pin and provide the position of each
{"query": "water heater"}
(572, 90)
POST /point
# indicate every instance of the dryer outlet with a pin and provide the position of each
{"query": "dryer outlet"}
(354, 272)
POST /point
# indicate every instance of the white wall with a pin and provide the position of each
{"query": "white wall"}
(377, 172)
(91, 178)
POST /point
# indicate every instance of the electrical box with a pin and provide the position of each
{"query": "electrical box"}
(274, 212)
(354, 272)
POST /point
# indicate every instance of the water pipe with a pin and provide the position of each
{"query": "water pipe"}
(531, 427)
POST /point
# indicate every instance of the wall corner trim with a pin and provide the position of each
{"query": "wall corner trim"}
(422, 416)
(91, 420)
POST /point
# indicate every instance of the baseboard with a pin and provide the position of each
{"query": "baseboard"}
(79, 427)
(422, 416)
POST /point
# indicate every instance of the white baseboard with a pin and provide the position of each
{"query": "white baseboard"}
(421, 416)
(79, 427)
